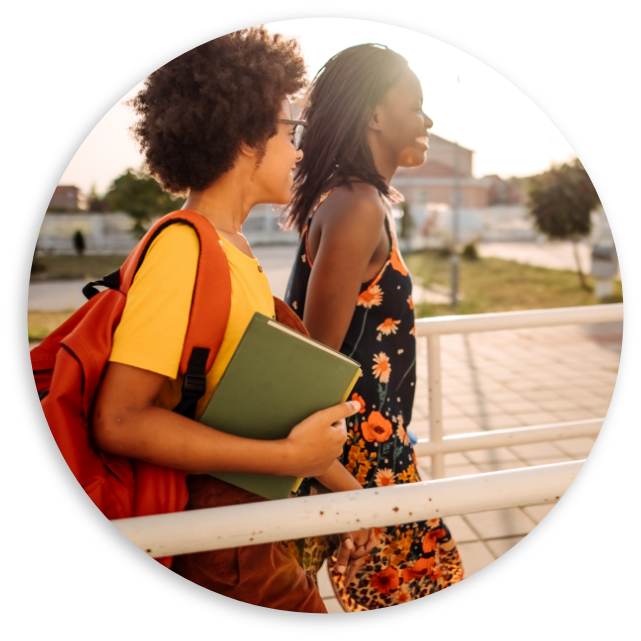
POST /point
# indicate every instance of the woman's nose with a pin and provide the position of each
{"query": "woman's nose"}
(429, 123)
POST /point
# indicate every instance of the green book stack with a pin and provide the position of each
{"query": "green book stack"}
(275, 379)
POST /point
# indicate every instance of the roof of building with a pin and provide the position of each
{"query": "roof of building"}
(439, 140)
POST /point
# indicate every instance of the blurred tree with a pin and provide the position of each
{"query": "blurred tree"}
(96, 203)
(140, 196)
(470, 252)
(79, 242)
(561, 201)
(37, 266)
(407, 222)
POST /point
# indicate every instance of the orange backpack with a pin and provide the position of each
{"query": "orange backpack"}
(69, 363)
(68, 366)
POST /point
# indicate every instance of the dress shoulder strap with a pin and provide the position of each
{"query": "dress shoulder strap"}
(321, 200)
(388, 228)
(305, 232)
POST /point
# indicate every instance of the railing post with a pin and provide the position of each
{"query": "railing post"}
(435, 408)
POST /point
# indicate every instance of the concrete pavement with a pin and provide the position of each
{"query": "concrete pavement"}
(553, 255)
(64, 295)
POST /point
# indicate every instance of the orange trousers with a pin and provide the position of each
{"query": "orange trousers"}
(266, 575)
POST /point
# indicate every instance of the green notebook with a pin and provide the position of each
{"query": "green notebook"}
(275, 379)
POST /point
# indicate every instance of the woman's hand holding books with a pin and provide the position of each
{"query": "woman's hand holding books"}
(316, 442)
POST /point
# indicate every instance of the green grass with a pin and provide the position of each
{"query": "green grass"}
(496, 285)
(74, 267)
(85, 268)
(488, 285)
(41, 324)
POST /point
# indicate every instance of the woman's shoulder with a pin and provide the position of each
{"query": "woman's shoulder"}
(352, 205)
(174, 251)
(175, 238)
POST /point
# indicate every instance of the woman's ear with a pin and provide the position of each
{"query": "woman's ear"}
(247, 151)
(375, 119)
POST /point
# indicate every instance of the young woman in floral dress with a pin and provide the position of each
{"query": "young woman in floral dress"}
(352, 289)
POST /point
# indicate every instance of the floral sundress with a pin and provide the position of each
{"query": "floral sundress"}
(411, 560)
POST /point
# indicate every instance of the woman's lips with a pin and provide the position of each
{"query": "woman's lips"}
(423, 141)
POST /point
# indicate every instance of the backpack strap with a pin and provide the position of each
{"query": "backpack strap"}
(210, 305)
(111, 281)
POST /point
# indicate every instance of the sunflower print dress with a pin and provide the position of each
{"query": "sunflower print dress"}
(411, 560)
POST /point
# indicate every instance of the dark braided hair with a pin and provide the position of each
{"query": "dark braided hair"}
(196, 110)
(339, 105)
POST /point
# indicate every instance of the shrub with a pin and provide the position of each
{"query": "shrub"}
(470, 252)
(407, 222)
(445, 251)
(37, 266)
(79, 242)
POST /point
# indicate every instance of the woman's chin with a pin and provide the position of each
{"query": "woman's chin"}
(283, 198)
(412, 156)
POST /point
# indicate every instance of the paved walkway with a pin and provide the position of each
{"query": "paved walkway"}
(551, 255)
(64, 295)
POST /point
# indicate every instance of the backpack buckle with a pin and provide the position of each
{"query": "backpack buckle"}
(194, 384)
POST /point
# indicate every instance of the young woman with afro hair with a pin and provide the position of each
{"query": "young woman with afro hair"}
(214, 123)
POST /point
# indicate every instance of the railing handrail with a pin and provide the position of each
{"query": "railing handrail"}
(433, 328)
(264, 522)
(509, 437)
(466, 324)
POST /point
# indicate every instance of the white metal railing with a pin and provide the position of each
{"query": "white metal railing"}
(508, 437)
(254, 523)
(432, 328)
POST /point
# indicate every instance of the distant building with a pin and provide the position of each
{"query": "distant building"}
(430, 192)
(66, 198)
(512, 191)
(434, 182)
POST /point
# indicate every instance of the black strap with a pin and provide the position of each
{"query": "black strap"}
(194, 382)
(112, 281)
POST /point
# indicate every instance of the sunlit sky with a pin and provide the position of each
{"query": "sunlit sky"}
(468, 102)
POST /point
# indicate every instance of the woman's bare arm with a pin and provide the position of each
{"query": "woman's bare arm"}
(350, 235)
(351, 224)
(126, 422)
(338, 479)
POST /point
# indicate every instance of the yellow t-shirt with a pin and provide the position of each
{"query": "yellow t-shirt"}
(154, 322)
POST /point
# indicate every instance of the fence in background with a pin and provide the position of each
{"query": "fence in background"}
(110, 233)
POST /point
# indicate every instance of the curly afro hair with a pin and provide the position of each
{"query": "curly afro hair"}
(195, 111)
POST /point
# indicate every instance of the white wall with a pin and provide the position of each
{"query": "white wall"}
(111, 233)
(103, 233)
